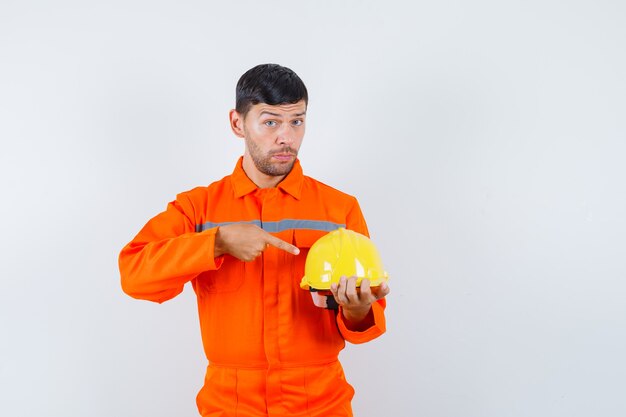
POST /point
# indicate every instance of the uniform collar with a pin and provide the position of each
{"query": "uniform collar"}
(291, 184)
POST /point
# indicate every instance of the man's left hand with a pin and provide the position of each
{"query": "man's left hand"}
(357, 302)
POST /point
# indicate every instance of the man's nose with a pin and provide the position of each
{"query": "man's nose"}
(285, 134)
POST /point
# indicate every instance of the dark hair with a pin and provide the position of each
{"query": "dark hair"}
(270, 84)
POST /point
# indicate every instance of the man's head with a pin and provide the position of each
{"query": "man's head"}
(270, 116)
(270, 84)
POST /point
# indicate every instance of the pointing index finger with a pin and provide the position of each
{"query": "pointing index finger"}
(281, 244)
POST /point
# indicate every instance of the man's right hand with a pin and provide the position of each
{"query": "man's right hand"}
(246, 241)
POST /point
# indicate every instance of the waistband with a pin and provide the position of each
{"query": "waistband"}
(266, 366)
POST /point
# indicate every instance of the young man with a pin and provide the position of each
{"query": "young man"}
(242, 243)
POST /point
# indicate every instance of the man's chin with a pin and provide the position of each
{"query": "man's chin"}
(274, 167)
(280, 169)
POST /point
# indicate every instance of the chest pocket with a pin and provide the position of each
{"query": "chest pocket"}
(303, 239)
(228, 278)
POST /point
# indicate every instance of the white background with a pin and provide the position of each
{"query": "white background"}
(485, 141)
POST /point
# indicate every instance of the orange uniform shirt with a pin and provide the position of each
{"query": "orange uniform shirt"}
(271, 351)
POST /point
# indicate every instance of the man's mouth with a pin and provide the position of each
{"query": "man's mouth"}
(284, 154)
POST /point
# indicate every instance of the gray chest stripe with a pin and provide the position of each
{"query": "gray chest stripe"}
(279, 226)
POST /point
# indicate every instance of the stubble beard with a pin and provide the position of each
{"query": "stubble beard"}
(264, 162)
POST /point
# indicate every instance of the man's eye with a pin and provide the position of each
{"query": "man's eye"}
(298, 122)
(270, 123)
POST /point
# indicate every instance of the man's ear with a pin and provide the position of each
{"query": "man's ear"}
(236, 123)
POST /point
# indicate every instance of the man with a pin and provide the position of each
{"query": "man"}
(242, 243)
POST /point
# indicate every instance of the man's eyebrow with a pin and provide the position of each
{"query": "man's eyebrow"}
(269, 113)
(264, 112)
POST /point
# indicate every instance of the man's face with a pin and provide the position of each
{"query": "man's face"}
(273, 135)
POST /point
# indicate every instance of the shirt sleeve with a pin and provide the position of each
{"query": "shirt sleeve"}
(165, 255)
(377, 324)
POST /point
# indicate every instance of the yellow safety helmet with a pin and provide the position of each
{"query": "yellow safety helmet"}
(342, 253)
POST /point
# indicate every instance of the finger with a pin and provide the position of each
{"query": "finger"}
(351, 293)
(281, 244)
(341, 291)
(334, 289)
(366, 291)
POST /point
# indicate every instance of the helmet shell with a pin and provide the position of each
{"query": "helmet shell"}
(342, 253)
